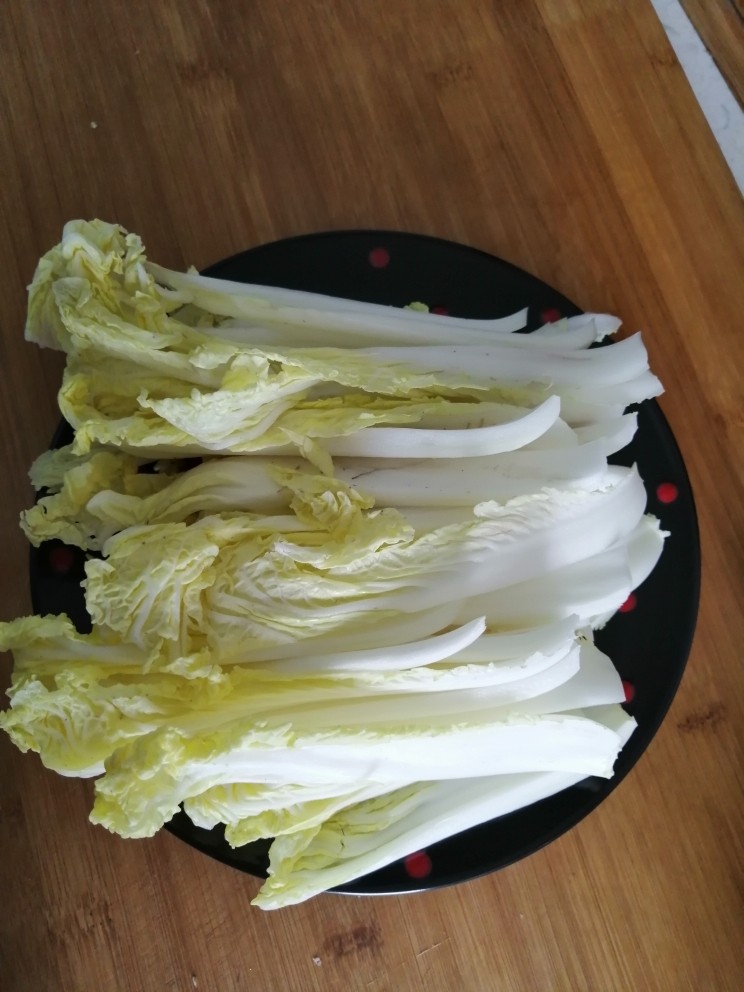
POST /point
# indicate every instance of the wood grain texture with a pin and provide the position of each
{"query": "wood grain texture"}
(720, 23)
(559, 134)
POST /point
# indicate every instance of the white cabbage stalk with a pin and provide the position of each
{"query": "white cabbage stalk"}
(267, 305)
(493, 660)
(371, 627)
(469, 442)
(584, 410)
(520, 643)
(251, 812)
(213, 572)
(139, 792)
(592, 589)
(468, 694)
(623, 361)
(610, 435)
(389, 659)
(519, 677)
(615, 395)
(250, 484)
(579, 677)
(559, 435)
(567, 334)
(304, 864)
(466, 482)
(401, 628)
(500, 547)
(570, 333)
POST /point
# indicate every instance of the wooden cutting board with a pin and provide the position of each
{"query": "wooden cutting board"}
(559, 134)
(720, 24)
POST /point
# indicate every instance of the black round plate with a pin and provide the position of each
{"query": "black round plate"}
(649, 641)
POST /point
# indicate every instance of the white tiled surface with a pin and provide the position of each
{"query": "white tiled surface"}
(718, 103)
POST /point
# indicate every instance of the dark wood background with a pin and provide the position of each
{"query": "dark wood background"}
(559, 134)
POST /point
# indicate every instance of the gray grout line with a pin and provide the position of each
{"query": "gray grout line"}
(718, 103)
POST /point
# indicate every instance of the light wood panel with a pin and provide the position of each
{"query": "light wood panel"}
(720, 23)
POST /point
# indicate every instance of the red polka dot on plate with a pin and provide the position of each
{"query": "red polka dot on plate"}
(379, 258)
(61, 559)
(629, 690)
(418, 865)
(549, 315)
(441, 311)
(667, 492)
(629, 604)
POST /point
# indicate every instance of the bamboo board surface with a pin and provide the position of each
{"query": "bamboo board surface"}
(720, 23)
